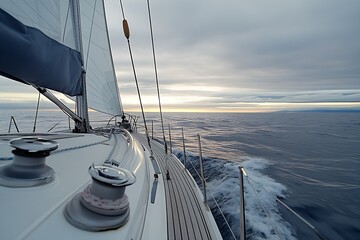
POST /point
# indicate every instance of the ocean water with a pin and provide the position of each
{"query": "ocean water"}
(309, 160)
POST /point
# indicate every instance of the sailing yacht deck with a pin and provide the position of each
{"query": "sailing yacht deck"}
(187, 216)
(38, 212)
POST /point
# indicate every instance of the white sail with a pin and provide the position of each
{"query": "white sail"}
(54, 18)
(34, 48)
(102, 88)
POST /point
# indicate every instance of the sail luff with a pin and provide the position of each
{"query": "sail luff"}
(112, 63)
(102, 88)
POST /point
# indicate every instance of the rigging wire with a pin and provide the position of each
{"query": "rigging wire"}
(54, 126)
(37, 111)
(127, 36)
(265, 211)
(158, 92)
(315, 230)
(156, 74)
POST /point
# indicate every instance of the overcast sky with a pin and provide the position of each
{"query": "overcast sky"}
(236, 55)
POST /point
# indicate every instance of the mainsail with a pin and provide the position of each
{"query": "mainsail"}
(31, 23)
(31, 56)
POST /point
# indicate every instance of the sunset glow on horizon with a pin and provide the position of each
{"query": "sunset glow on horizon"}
(247, 60)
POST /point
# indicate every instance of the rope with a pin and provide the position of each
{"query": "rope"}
(82, 146)
(126, 31)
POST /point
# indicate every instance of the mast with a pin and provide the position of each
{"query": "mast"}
(81, 101)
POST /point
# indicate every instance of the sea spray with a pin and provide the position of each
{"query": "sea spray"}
(223, 185)
(261, 192)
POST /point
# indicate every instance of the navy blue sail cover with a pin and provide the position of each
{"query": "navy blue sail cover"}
(29, 56)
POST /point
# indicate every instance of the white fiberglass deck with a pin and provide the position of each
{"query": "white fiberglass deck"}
(38, 212)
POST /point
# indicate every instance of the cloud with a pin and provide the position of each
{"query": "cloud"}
(230, 52)
(301, 45)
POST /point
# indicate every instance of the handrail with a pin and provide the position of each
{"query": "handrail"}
(12, 119)
(113, 117)
(133, 120)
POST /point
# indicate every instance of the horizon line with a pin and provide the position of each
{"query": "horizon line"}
(184, 110)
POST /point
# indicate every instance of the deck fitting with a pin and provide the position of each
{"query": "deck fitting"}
(28, 167)
(103, 205)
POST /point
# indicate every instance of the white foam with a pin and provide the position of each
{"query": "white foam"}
(223, 185)
(226, 190)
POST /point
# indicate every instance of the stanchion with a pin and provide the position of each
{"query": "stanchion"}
(202, 171)
(242, 206)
